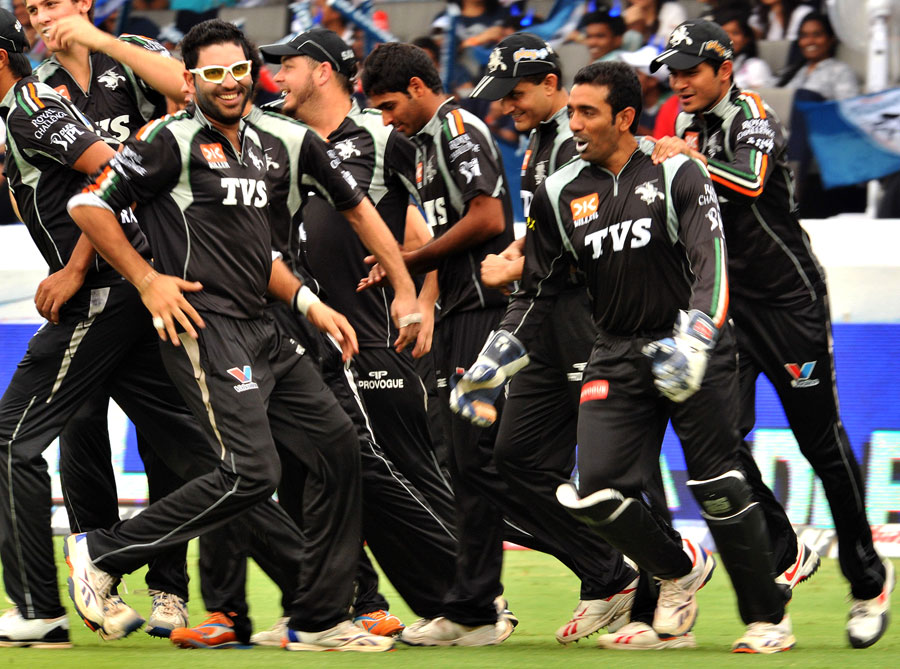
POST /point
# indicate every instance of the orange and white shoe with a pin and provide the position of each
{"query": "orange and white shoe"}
(217, 631)
(640, 636)
(806, 564)
(595, 614)
(380, 622)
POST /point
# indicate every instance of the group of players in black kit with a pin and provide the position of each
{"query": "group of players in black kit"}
(224, 227)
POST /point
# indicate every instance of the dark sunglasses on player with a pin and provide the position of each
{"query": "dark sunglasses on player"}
(215, 74)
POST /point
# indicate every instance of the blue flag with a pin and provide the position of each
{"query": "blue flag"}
(857, 139)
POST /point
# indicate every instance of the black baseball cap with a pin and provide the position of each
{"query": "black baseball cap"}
(693, 42)
(12, 35)
(322, 45)
(517, 56)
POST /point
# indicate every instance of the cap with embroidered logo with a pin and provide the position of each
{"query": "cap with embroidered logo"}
(319, 44)
(517, 56)
(693, 42)
(12, 35)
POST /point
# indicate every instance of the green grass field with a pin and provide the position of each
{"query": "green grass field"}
(541, 592)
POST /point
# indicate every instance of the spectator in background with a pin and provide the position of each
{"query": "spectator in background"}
(778, 19)
(650, 22)
(480, 22)
(38, 51)
(749, 70)
(819, 71)
(654, 89)
(602, 35)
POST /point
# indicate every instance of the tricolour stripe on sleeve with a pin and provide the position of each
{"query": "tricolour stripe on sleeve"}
(719, 307)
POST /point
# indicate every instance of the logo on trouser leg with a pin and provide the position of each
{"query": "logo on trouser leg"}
(244, 377)
(800, 375)
(594, 390)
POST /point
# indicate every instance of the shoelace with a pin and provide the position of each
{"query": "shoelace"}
(11, 613)
(670, 593)
(169, 604)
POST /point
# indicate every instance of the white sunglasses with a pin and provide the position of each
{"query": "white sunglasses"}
(215, 74)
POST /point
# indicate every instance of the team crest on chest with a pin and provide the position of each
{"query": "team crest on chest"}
(648, 192)
(346, 149)
(110, 79)
(540, 172)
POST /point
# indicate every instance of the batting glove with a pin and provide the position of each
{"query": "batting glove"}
(474, 394)
(679, 362)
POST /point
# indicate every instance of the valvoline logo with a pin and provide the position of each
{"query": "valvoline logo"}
(594, 390)
(800, 375)
(244, 377)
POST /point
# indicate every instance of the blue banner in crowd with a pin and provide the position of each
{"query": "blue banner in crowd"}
(855, 140)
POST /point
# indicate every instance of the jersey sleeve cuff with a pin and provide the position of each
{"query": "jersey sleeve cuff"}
(87, 200)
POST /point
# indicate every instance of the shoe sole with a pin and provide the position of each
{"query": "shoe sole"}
(709, 567)
(611, 616)
(37, 645)
(747, 649)
(90, 624)
(309, 647)
(671, 645)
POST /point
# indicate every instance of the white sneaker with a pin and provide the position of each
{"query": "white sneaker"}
(42, 633)
(806, 564)
(766, 638)
(594, 614)
(89, 587)
(271, 636)
(443, 632)
(343, 636)
(640, 636)
(869, 617)
(503, 611)
(119, 619)
(676, 610)
(169, 612)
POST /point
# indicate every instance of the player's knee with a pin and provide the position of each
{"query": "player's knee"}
(723, 497)
(598, 509)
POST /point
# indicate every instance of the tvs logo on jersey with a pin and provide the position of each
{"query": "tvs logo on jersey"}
(594, 390)
(649, 192)
(252, 191)
(244, 377)
(215, 155)
(584, 209)
(800, 375)
(64, 92)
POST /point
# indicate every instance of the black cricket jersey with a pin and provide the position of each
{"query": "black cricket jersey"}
(46, 135)
(769, 254)
(117, 100)
(457, 160)
(298, 162)
(382, 163)
(202, 204)
(550, 146)
(649, 241)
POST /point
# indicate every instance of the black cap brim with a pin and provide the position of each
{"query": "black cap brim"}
(273, 53)
(493, 88)
(675, 60)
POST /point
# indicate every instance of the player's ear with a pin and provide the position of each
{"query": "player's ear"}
(188, 87)
(625, 119)
(726, 69)
(416, 87)
(550, 84)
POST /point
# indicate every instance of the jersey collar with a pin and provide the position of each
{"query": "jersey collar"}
(433, 127)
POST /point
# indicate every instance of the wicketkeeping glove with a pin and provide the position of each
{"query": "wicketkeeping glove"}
(474, 394)
(679, 362)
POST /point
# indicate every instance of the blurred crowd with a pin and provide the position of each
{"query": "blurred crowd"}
(633, 31)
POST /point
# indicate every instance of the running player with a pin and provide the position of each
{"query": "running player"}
(780, 308)
(649, 240)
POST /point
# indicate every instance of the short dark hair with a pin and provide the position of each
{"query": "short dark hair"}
(538, 79)
(615, 23)
(214, 31)
(19, 65)
(390, 66)
(622, 86)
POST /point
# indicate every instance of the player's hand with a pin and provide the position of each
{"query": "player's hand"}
(426, 330)
(407, 318)
(669, 147)
(70, 30)
(163, 296)
(54, 291)
(334, 323)
(497, 271)
(679, 362)
(376, 275)
(474, 394)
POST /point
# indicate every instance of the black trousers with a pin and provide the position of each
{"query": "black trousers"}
(793, 348)
(535, 449)
(89, 487)
(104, 342)
(237, 378)
(413, 542)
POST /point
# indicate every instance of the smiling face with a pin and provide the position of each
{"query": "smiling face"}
(815, 42)
(596, 130)
(296, 78)
(600, 39)
(528, 104)
(699, 88)
(224, 102)
(43, 14)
